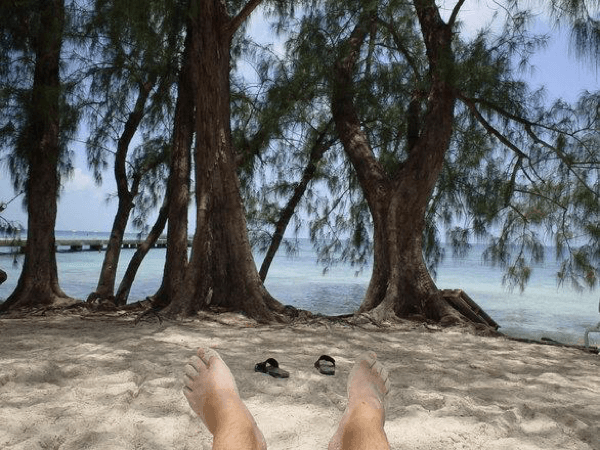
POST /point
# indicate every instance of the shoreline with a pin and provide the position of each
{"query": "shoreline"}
(72, 381)
(543, 310)
(140, 310)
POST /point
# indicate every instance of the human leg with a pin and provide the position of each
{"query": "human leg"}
(361, 426)
(212, 393)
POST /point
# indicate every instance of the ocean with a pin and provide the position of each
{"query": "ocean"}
(542, 310)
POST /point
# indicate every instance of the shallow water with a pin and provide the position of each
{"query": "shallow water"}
(543, 310)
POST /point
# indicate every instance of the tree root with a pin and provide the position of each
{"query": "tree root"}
(151, 311)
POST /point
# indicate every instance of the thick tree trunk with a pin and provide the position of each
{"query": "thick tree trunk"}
(108, 273)
(401, 284)
(221, 271)
(38, 283)
(140, 253)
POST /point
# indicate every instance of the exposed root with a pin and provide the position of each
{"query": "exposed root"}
(22, 305)
(151, 311)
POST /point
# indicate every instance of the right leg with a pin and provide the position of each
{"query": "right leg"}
(361, 426)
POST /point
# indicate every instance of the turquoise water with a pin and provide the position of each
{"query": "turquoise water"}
(543, 310)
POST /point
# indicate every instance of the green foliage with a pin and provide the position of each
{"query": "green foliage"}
(297, 91)
(133, 45)
(519, 175)
(21, 108)
(9, 228)
(582, 17)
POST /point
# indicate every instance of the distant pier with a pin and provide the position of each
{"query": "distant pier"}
(78, 245)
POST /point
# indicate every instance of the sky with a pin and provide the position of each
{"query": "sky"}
(83, 205)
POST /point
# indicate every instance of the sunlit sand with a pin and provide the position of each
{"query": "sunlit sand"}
(73, 382)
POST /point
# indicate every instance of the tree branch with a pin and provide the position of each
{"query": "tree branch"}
(409, 58)
(521, 120)
(237, 21)
(455, 13)
(354, 139)
(527, 125)
(317, 151)
(561, 155)
(471, 105)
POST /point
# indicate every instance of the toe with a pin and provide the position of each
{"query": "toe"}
(201, 352)
(206, 354)
(380, 370)
(191, 371)
(383, 373)
(197, 363)
(370, 357)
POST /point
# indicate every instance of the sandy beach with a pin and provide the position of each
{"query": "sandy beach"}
(75, 382)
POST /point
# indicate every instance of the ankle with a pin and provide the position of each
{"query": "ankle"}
(235, 425)
(368, 410)
(238, 434)
(364, 429)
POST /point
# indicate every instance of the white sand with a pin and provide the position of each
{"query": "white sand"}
(74, 383)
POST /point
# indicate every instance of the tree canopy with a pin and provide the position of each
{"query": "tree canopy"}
(520, 172)
(383, 129)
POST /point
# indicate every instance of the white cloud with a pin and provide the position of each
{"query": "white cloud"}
(79, 181)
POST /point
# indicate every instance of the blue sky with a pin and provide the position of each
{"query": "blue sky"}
(82, 205)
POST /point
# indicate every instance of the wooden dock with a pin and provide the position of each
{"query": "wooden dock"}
(78, 245)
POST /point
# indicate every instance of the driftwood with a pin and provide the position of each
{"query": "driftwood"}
(459, 300)
(548, 341)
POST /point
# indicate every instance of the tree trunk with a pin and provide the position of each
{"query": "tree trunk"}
(221, 271)
(108, 273)
(318, 150)
(140, 253)
(401, 284)
(178, 190)
(38, 282)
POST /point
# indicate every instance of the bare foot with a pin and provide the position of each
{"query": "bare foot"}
(364, 417)
(212, 393)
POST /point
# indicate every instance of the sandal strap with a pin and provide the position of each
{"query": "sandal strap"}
(324, 358)
(262, 367)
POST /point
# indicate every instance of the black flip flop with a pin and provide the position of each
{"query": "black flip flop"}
(322, 364)
(271, 366)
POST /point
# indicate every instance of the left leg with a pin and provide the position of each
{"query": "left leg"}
(212, 393)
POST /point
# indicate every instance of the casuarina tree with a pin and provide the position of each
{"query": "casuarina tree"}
(136, 47)
(36, 123)
(221, 271)
(441, 132)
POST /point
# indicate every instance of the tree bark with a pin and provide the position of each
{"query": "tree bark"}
(108, 274)
(221, 271)
(140, 253)
(178, 189)
(38, 283)
(401, 284)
